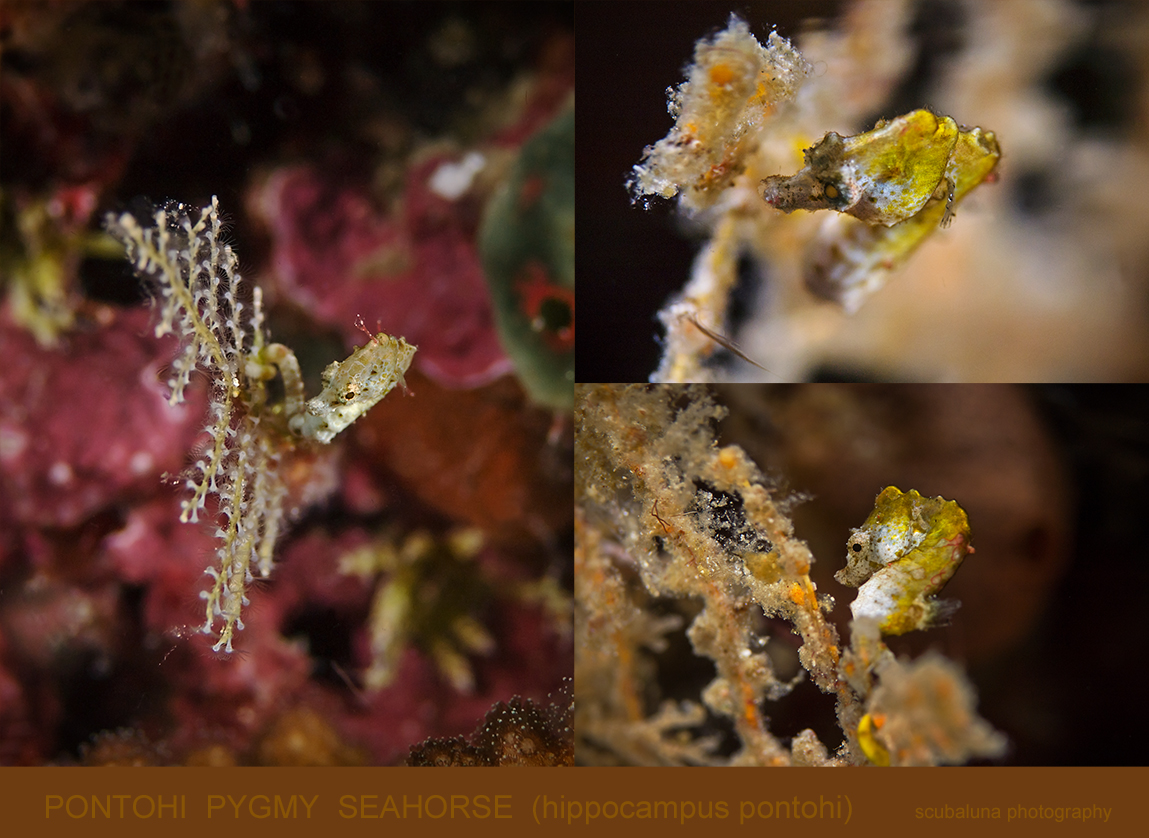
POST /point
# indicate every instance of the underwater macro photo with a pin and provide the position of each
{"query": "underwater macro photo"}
(720, 532)
(866, 191)
(287, 328)
(295, 469)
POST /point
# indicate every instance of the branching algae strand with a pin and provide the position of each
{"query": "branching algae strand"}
(201, 295)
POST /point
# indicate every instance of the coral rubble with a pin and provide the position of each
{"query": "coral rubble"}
(517, 733)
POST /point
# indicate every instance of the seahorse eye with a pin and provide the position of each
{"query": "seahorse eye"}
(857, 547)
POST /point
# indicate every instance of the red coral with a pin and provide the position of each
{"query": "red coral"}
(155, 550)
(219, 699)
(529, 660)
(86, 425)
(415, 274)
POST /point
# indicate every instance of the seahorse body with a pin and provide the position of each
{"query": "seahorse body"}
(354, 386)
(903, 554)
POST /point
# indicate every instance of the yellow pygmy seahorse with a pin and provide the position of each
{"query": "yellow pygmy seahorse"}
(902, 556)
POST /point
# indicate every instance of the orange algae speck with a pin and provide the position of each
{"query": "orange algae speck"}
(721, 74)
(728, 458)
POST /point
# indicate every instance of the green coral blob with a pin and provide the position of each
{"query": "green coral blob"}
(527, 248)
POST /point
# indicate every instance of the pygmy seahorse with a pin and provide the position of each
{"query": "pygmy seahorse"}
(902, 556)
